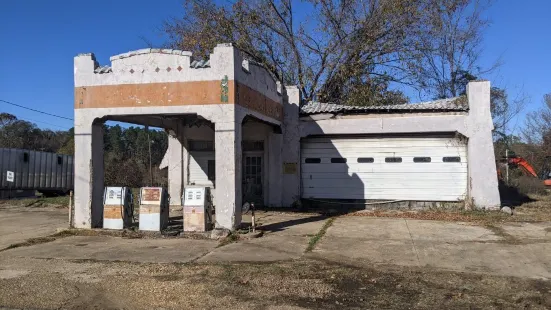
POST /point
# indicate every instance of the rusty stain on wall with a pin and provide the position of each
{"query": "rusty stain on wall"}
(150, 209)
(112, 212)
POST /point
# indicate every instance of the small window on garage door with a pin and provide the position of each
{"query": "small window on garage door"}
(366, 160)
(393, 159)
(452, 159)
(338, 160)
(421, 159)
(312, 160)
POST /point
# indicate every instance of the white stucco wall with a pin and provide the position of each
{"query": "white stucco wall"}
(291, 147)
(281, 189)
(151, 66)
(476, 125)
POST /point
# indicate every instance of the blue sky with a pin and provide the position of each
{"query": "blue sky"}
(40, 38)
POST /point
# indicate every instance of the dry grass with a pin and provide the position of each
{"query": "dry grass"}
(538, 210)
(37, 202)
(302, 284)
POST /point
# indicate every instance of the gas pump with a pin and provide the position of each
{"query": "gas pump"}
(118, 208)
(197, 205)
(154, 207)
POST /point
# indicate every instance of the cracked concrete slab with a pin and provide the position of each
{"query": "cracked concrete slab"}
(104, 248)
(442, 245)
(266, 249)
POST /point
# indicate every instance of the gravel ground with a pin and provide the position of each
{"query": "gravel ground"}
(301, 284)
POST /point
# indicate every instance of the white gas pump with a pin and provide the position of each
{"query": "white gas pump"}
(118, 208)
(154, 206)
(197, 205)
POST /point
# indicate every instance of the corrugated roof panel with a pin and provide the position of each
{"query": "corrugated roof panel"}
(456, 104)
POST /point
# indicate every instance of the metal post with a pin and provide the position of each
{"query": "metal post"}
(253, 223)
(71, 209)
(507, 166)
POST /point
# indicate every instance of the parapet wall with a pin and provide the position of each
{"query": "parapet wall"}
(168, 77)
(154, 66)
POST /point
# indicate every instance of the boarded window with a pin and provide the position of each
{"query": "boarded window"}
(312, 160)
(211, 170)
(26, 157)
(421, 159)
(199, 145)
(365, 160)
(59, 160)
(452, 159)
(338, 160)
(393, 159)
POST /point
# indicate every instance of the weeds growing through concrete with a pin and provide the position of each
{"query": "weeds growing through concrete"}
(317, 237)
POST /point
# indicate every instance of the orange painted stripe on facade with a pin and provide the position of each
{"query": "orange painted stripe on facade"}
(175, 94)
(152, 94)
(256, 101)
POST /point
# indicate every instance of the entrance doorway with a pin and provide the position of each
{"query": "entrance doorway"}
(252, 178)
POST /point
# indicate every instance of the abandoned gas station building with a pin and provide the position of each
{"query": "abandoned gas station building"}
(233, 128)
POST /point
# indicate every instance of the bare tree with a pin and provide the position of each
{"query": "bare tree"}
(537, 127)
(504, 111)
(340, 48)
(449, 48)
(349, 51)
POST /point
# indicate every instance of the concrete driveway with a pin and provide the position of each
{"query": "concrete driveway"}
(512, 249)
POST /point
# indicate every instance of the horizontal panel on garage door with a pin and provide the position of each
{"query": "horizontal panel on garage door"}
(431, 169)
(386, 168)
(406, 151)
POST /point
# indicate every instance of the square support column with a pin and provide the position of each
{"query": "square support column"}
(275, 169)
(89, 176)
(175, 166)
(483, 184)
(291, 145)
(228, 158)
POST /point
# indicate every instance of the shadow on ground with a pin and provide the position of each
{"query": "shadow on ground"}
(511, 197)
(282, 225)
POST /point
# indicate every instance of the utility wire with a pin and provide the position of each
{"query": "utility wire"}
(46, 113)
(32, 120)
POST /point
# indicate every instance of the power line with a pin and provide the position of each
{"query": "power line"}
(32, 120)
(46, 113)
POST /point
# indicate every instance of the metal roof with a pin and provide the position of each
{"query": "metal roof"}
(200, 64)
(103, 69)
(456, 104)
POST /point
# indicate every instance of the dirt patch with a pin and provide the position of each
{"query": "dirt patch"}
(33, 241)
(530, 212)
(506, 238)
(310, 284)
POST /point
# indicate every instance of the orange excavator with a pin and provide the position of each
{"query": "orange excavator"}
(545, 172)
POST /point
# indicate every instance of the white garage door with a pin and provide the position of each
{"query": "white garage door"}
(411, 168)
